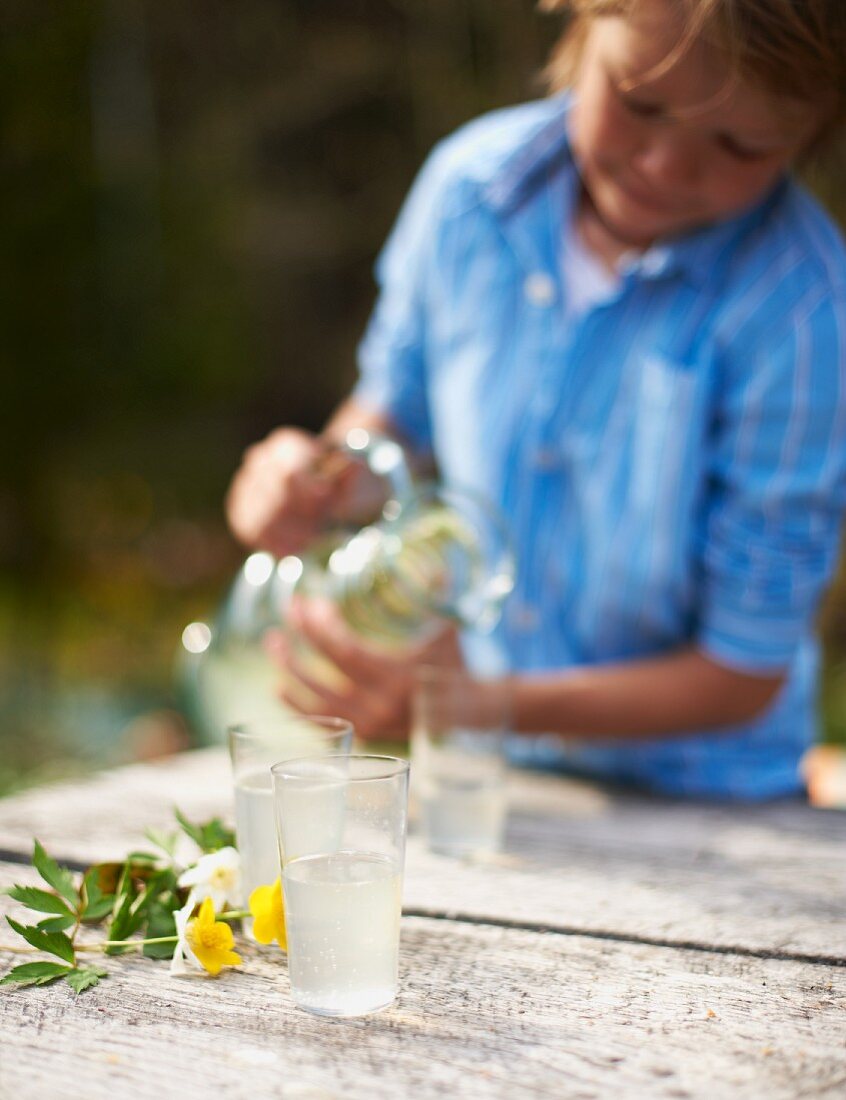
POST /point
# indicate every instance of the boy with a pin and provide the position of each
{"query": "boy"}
(613, 313)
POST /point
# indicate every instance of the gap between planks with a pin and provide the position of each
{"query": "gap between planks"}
(626, 937)
(7, 856)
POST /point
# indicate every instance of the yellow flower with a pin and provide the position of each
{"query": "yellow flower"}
(211, 941)
(268, 910)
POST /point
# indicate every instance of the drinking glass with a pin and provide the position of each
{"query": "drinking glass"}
(457, 740)
(342, 822)
(253, 747)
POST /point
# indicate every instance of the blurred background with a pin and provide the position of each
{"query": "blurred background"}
(194, 196)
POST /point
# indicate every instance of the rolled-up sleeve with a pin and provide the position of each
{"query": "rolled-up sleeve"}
(392, 353)
(776, 489)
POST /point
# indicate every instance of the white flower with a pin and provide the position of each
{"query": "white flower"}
(216, 876)
(184, 960)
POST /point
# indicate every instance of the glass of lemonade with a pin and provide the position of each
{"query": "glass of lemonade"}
(253, 747)
(342, 824)
(458, 733)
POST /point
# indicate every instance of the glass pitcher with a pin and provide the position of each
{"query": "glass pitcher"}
(432, 554)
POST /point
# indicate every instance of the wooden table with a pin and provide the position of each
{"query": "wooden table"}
(621, 946)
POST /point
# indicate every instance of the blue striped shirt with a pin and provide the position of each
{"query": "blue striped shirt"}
(671, 460)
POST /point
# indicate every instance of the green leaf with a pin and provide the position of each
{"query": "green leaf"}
(216, 835)
(163, 840)
(36, 973)
(122, 925)
(84, 977)
(128, 917)
(156, 886)
(210, 836)
(160, 922)
(124, 891)
(135, 897)
(54, 875)
(39, 900)
(143, 859)
(56, 924)
(54, 943)
(96, 904)
(108, 876)
(96, 912)
(164, 882)
(193, 831)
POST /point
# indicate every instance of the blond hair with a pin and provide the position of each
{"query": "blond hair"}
(793, 48)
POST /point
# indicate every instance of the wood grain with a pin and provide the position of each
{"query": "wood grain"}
(758, 878)
(483, 1012)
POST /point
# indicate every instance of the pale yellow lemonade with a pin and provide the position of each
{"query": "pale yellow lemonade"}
(256, 831)
(463, 815)
(342, 914)
(314, 822)
(459, 783)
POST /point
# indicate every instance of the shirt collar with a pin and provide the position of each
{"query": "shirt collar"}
(526, 168)
(700, 256)
(532, 191)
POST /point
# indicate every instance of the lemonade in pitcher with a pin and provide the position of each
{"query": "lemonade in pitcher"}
(434, 554)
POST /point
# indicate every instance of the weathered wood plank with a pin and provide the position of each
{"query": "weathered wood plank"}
(483, 1012)
(768, 878)
(100, 817)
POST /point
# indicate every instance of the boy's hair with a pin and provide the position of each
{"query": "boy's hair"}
(794, 48)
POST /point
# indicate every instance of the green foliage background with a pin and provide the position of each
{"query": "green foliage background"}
(195, 193)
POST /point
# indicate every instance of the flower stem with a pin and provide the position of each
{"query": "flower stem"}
(123, 943)
(232, 914)
(20, 950)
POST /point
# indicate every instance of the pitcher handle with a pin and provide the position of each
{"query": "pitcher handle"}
(382, 456)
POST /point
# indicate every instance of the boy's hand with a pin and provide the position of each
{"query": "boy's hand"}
(280, 495)
(374, 688)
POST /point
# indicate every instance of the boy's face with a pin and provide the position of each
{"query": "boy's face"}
(666, 148)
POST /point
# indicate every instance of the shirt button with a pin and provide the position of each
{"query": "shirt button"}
(539, 289)
(547, 458)
(653, 262)
(524, 617)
